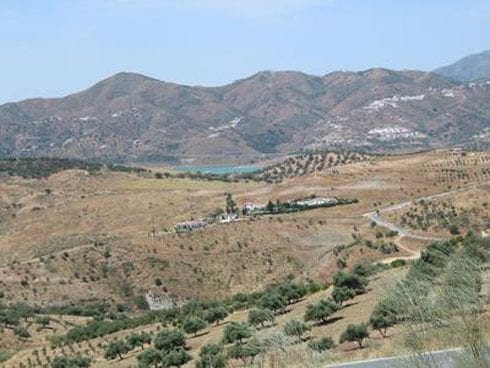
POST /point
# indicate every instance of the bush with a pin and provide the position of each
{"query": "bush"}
(350, 280)
(292, 292)
(176, 358)
(355, 333)
(381, 321)
(169, 340)
(320, 345)
(398, 263)
(320, 311)
(295, 328)
(454, 230)
(150, 358)
(260, 317)
(211, 356)
(71, 362)
(138, 340)
(22, 332)
(273, 301)
(216, 314)
(236, 331)
(388, 248)
(342, 294)
(193, 325)
(246, 351)
(43, 321)
(116, 349)
(361, 270)
(313, 287)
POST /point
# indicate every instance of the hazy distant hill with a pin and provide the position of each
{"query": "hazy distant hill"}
(470, 68)
(133, 117)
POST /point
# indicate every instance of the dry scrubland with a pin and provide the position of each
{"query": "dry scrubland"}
(74, 237)
(358, 310)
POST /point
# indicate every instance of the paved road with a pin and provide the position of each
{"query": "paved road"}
(376, 215)
(436, 359)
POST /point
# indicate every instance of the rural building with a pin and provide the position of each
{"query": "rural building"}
(317, 202)
(249, 208)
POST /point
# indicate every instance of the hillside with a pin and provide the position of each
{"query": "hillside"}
(86, 251)
(470, 68)
(104, 234)
(130, 117)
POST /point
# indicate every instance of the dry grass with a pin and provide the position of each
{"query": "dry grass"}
(357, 311)
(119, 211)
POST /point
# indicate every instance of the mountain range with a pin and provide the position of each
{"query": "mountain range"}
(470, 68)
(131, 117)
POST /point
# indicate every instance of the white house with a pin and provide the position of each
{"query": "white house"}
(250, 207)
(317, 202)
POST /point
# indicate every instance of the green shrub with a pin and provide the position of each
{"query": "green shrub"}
(236, 331)
(260, 317)
(71, 362)
(246, 351)
(212, 356)
(321, 311)
(398, 263)
(169, 340)
(342, 294)
(150, 358)
(351, 281)
(357, 333)
(296, 328)
(381, 320)
(176, 358)
(22, 332)
(193, 325)
(138, 340)
(216, 314)
(320, 345)
(116, 349)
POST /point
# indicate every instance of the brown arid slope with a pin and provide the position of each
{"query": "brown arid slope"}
(130, 117)
(76, 236)
(358, 310)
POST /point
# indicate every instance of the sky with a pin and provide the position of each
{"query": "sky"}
(51, 48)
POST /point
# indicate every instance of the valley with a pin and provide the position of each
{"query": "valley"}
(244, 184)
(75, 238)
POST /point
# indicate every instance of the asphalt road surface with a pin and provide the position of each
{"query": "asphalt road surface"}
(435, 359)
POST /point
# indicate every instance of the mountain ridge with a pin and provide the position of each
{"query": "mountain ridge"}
(470, 68)
(133, 117)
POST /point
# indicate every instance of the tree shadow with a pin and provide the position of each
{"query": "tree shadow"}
(329, 321)
(307, 338)
(204, 333)
(283, 311)
(347, 305)
(354, 347)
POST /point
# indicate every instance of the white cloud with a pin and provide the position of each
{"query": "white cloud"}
(235, 8)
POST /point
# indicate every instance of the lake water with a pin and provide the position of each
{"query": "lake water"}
(219, 170)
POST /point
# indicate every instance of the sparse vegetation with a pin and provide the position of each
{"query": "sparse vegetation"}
(322, 344)
(44, 167)
(118, 276)
(309, 163)
(71, 362)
